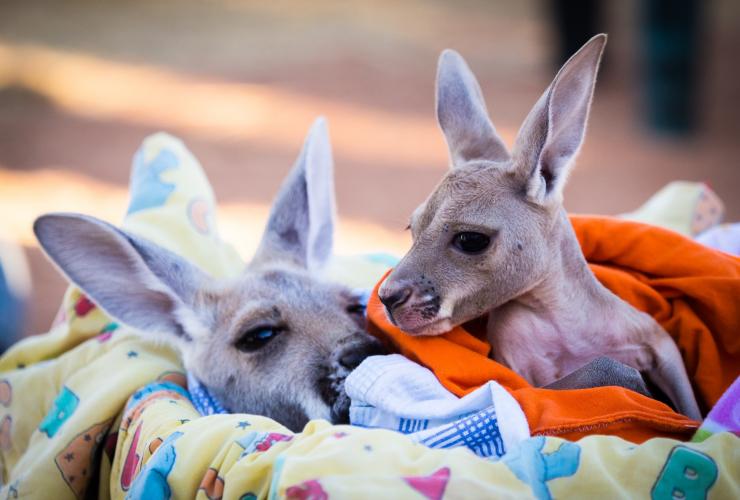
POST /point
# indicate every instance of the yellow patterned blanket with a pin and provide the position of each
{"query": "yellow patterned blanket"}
(91, 409)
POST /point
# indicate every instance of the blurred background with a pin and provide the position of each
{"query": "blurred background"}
(83, 82)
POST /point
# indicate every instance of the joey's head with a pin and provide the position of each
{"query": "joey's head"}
(487, 234)
(278, 340)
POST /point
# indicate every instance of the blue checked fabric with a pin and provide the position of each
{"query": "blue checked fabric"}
(202, 399)
(392, 392)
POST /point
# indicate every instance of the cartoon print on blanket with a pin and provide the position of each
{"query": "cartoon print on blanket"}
(536, 468)
(5, 432)
(76, 460)
(6, 396)
(432, 486)
(107, 331)
(151, 482)
(228, 460)
(200, 214)
(131, 462)
(307, 490)
(212, 485)
(137, 403)
(147, 187)
(6, 393)
(687, 474)
(83, 306)
(62, 409)
(159, 442)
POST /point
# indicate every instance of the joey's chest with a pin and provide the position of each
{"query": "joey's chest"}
(536, 349)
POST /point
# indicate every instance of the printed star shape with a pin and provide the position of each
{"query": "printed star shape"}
(243, 424)
(69, 457)
(132, 354)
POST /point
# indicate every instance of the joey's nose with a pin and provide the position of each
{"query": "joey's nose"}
(353, 356)
(394, 297)
(352, 359)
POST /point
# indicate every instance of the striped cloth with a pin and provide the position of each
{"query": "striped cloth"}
(392, 392)
(202, 399)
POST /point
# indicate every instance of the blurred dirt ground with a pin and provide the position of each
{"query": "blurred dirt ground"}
(81, 83)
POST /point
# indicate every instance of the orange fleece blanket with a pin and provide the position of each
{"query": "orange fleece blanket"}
(691, 290)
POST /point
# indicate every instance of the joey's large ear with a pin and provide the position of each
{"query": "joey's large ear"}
(462, 114)
(553, 132)
(300, 228)
(135, 281)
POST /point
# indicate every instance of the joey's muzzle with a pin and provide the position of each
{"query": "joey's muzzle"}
(346, 357)
(413, 305)
(393, 297)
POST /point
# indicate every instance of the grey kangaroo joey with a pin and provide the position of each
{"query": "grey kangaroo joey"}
(494, 239)
(278, 340)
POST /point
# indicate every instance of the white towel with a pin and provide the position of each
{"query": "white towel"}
(392, 392)
(725, 237)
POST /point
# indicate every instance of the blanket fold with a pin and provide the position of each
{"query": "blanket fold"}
(691, 290)
(165, 450)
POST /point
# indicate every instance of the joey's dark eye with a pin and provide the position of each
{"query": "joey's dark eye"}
(471, 242)
(358, 309)
(257, 338)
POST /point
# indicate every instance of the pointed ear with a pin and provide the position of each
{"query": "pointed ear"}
(462, 114)
(300, 228)
(553, 132)
(133, 280)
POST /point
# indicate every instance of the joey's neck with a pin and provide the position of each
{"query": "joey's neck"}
(569, 296)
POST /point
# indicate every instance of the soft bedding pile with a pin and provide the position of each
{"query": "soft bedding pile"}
(90, 409)
(690, 289)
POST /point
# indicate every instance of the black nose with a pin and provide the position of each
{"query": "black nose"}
(395, 298)
(352, 357)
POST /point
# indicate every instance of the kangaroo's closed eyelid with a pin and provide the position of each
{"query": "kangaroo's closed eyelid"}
(256, 315)
(258, 337)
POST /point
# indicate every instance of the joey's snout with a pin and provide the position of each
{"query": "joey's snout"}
(353, 351)
(351, 358)
(413, 305)
(394, 297)
(346, 357)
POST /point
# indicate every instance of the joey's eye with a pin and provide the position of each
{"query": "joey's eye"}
(358, 309)
(258, 337)
(471, 242)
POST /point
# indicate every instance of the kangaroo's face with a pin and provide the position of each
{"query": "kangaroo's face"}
(280, 344)
(278, 340)
(477, 242)
(490, 231)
